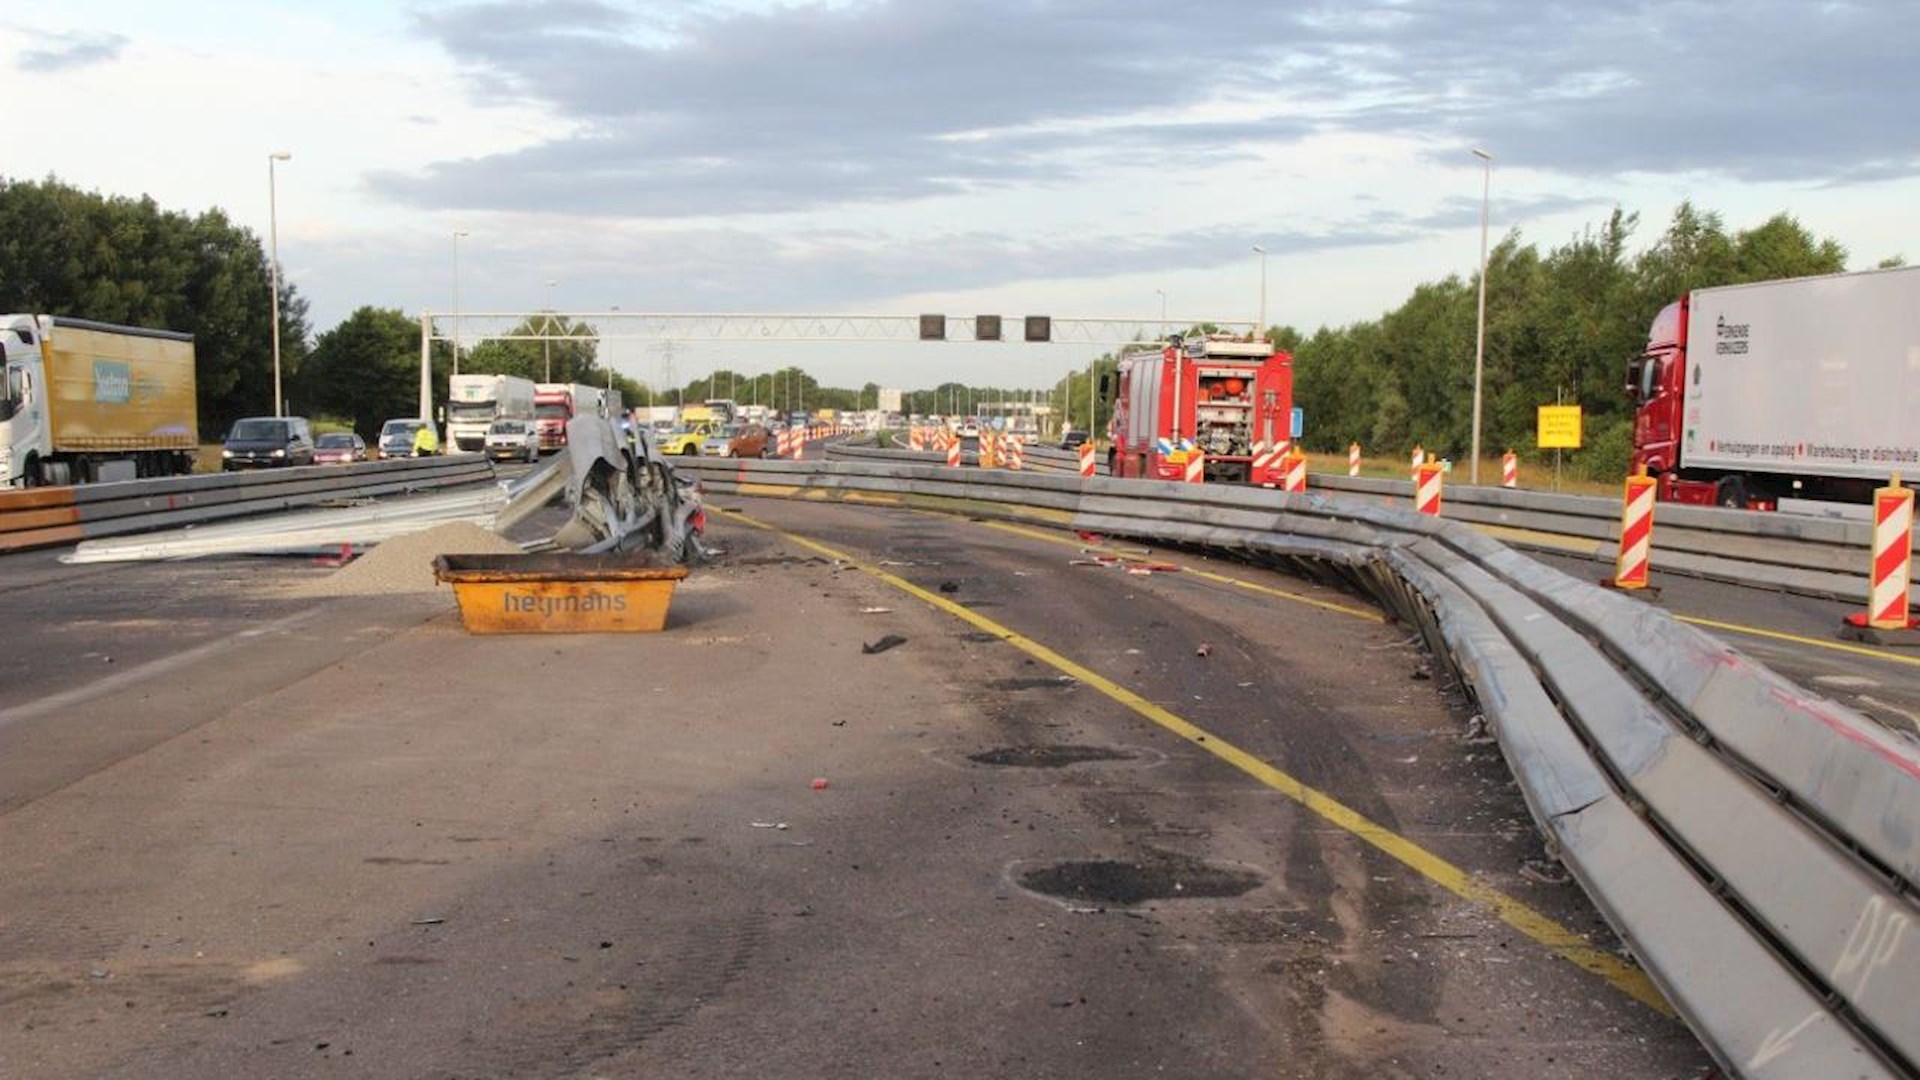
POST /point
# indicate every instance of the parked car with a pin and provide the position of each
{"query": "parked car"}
(339, 448)
(267, 442)
(396, 437)
(738, 440)
(516, 439)
(1071, 440)
(970, 430)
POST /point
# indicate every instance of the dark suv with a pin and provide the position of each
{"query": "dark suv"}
(265, 442)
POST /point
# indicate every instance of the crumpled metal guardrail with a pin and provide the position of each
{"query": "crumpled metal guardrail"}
(52, 517)
(1755, 846)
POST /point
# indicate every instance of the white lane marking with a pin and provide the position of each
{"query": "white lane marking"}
(122, 679)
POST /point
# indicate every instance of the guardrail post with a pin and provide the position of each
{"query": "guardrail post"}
(1636, 533)
(1427, 485)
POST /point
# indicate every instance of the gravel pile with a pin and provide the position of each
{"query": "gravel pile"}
(404, 564)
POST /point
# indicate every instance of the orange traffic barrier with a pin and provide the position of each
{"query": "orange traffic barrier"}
(1636, 532)
(1196, 467)
(1297, 473)
(1086, 459)
(1426, 488)
(953, 453)
(1016, 454)
(1891, 576)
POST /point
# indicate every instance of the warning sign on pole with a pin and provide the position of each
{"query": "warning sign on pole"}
(1559, 427)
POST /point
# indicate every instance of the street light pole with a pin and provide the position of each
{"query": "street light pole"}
(1262, 331)
(1480, 332)
(546, 333)
(457, 234)
(273, 257)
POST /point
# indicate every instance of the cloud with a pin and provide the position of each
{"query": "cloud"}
(66, 51)
(669, 111)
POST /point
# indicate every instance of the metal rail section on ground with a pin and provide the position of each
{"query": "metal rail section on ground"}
(56, 516)
(1810, 556)
(1755, 847)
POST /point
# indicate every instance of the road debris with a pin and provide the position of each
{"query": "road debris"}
(876, 611)
(885, 643)
(1545, 872)
(768, 824)
(949, 586)
(434, 921)
(819, 783)
(1205, 649)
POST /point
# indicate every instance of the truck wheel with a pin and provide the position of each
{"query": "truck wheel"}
(1731, 493)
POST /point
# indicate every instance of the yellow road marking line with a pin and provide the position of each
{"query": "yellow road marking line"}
(1781, 635)
(1223, 579)
(1542, 928)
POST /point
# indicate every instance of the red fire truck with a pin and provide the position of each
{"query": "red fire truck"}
(1231, 400)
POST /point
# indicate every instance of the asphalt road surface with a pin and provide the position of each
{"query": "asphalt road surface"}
(1063, 830)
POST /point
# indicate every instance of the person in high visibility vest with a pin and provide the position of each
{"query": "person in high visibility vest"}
(425, 441)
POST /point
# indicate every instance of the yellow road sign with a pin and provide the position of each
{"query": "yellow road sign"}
(1559, 427)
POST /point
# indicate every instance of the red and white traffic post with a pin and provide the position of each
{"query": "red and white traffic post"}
(1296, 482)
(1889, 588)
(953, 452)
(1353, 459)
(1086, 460)
(1418, 458)
(1196, 467)
(1016, 454)
(1426, 488)
(1636, 533)
(1510, 469)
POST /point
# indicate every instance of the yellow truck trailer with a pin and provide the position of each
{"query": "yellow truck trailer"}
(84, 401)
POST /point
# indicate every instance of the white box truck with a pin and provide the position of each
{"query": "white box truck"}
(1805, 388)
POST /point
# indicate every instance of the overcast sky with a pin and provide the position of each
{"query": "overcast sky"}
(959, 155)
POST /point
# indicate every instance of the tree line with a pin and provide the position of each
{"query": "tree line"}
(1561, 326)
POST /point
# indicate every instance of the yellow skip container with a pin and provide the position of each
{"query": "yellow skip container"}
(560, 594)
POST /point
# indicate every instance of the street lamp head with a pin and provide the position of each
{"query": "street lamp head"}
(458, 233)
(280, 155)
(1259, 249)
(1483, 155)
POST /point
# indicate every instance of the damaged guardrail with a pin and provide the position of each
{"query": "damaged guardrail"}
(1755, 846)
(1822, 557)
(52, 517)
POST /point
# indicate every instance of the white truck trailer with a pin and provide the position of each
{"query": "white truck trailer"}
(478, 400)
